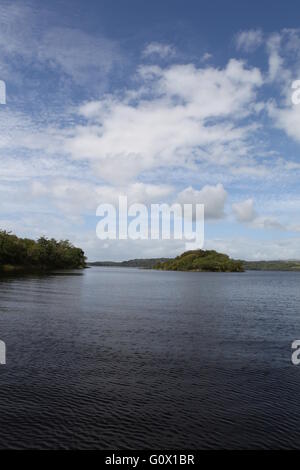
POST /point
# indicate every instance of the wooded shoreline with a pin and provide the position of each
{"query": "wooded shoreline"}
(27, 255)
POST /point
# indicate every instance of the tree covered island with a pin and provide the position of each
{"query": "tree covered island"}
(201, 260)
(24, 254)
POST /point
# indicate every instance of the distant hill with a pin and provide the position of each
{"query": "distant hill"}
(146, 263)
(198, 260)
(272, 265)
(201, 260)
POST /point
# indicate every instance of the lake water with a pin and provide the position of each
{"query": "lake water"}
(124, 358)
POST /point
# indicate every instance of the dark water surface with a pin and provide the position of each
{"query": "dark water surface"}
(125, 358)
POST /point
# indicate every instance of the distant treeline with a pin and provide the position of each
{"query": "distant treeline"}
(272, 265)
(209, 262)
(196, 260)
(43, 254)
(146, 263)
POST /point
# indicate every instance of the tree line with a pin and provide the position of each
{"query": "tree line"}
(42, 254)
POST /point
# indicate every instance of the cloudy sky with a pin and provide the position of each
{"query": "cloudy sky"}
(162, 101)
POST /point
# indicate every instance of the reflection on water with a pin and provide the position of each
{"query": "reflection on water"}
(126, 358)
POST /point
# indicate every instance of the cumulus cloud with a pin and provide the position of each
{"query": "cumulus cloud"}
(283, 54)
(70, 196)
(166, 128)
(245, 213)
(76, 197)
(287, 118)
(244, 210)
(213, 198)
(178, 113)
(284, 69)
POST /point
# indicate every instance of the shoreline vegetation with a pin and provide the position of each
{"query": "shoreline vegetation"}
(279, 265)
(165, 263)
(24, 255)
(196, 260)
(19, 255)
(202, 260)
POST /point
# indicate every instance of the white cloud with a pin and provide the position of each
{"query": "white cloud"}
(159, 49)
(286, 118)
(79, 55)
(283, 48)
(73, 52)
(249, 40)
(275, 60)
(257, 249)
(206, 56)
(213, 198)
(245, 213)
(284, 68)
(179, 126)
(189, 110)
(79, 197)
(244, 210)
(267, 222)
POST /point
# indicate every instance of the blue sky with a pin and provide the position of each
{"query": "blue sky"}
(162, 101)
